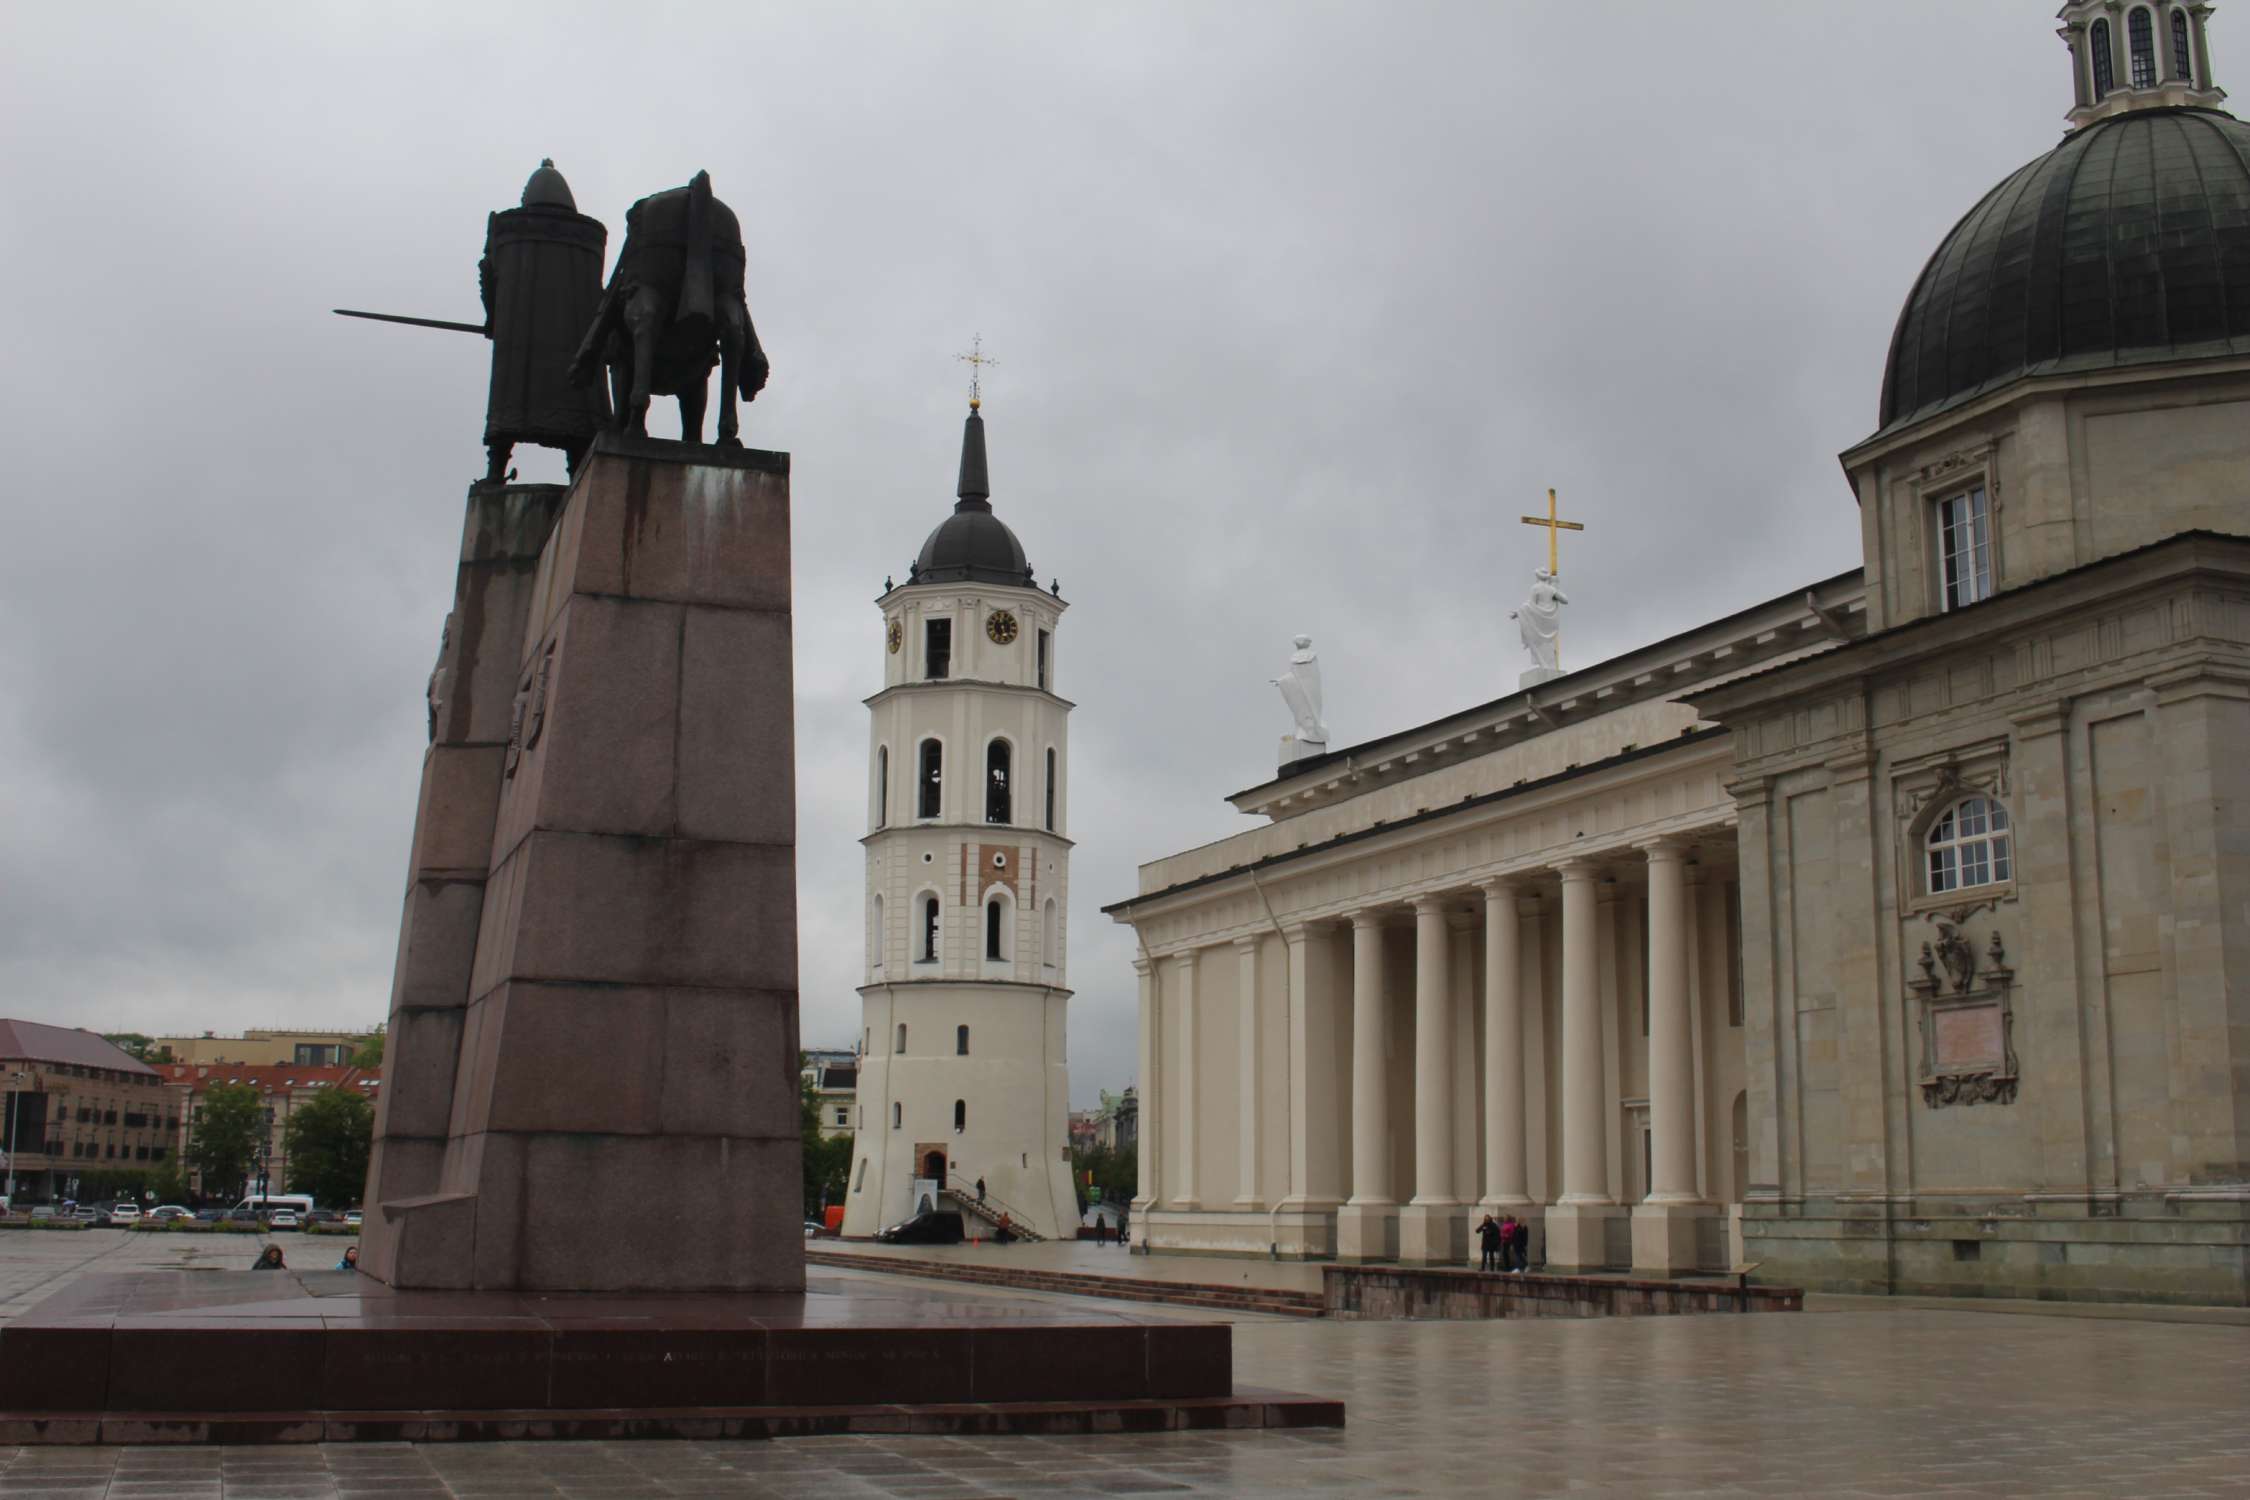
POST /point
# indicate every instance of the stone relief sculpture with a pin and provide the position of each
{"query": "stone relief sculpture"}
(434, 693)
(1300, 689)
(1539, 621)
(1968, 1020)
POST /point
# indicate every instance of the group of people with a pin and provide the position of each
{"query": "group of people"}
(1506, 1243)
(270, 1259)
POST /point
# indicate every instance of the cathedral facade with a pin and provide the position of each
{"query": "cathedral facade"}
(1892, 935)
(963, 1081)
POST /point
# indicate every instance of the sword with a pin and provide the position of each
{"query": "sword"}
(480, 328)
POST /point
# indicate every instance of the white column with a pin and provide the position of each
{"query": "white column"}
(1150, 1097)
(1504, 1176)
(1575, 1234)
(1246, 1040)
(1426, 1228)
(1664, 1224)
(1362, 1224)
(1184, 1109)
(1318, 1078)
(1671, 1065)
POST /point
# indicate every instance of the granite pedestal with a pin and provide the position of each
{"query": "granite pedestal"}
(246, 1356)
(593, 1075)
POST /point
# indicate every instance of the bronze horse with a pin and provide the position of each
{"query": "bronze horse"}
(674, 308)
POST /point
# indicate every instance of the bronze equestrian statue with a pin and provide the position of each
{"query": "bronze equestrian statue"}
(674, 308)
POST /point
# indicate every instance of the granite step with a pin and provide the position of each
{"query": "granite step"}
(1088, 1284)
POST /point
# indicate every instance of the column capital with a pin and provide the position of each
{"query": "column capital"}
(1498, 888)
(1578, 868)
(1248, 942)
(1429, 901)
(1144, 967)
(1367, 917)
(1666, 847)
(1185, 958)
(1751, 792)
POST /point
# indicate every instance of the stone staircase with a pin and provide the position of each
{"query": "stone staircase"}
(1210, 1296)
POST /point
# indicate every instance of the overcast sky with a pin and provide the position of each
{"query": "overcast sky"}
(1297, 307)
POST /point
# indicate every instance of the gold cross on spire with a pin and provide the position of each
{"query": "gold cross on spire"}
(1555, 528)
(976, 359)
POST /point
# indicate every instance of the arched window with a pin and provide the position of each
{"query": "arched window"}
(999, 802)
(898, 1114)
(995, 930)
(2183, 54)
(2140, 38)
(960, 1115)
(1969, 845)
(875, 935)
(1049, 953)
(931, 780)
(900, 1049)
(960, 1041)
(1050, 789)
(2105, 77)
(929, 932)
(882, 785)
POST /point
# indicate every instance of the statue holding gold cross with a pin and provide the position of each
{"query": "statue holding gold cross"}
(1539, 618)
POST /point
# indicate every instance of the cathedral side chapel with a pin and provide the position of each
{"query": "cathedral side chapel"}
(1892, 934)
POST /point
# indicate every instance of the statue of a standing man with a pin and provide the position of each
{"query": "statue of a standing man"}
(1300, 689)
(1539, 619)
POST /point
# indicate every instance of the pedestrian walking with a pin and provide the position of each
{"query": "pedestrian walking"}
(1488, 1242)
(1518, 1239)
(980, 1190)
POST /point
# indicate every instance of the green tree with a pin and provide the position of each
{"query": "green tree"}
(369, 1053)
(327, 1141)
(1115, 1174)
(828, 1159)
(223, 1139)
(138, 1044)
(168, 1183)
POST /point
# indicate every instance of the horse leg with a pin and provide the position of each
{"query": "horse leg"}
(692, 393)
(730, 370)
(640, 329)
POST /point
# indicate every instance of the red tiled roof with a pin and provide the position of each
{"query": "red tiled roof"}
(38, 1042)
(196, 1076)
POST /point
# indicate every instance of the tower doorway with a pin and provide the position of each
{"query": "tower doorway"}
(933, 1165)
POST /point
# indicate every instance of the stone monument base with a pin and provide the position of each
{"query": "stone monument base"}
(1578, 1235)
(259, 1356)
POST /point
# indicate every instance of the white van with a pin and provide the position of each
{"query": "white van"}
(265, 1207)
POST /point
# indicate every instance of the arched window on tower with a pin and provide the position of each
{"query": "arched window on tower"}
(882, 785)
(875, 932)
(995, 930)
(901, 1048)
(2140, 37)
(960, 1041)
(999, 801)
(898, 1114)
(960, 1115)
(1050, 789)
(931, 779)
(929, 935)
(2105, 77)
(2183, 52)
(1049, 935)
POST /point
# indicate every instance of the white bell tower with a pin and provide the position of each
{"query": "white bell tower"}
(965, 1000)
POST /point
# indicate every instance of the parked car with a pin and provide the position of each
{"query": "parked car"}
(351, 1217)
(165, 1213)
(43, 1211)
(85, 1213)
(283, 1218)
(939, 1227)
(324, 1216)
(210, 1215)
(242, 1216)
(126, 1214)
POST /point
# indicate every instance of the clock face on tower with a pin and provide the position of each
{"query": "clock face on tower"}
(1001, 626)
(897, 636)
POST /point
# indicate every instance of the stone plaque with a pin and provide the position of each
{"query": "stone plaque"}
(1969, 1036)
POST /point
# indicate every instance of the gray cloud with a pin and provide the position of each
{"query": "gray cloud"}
(1297, 306)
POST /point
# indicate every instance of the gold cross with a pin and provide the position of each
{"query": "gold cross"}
(1555, 528)
(976, 359)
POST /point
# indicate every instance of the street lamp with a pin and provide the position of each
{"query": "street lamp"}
(15, 1089)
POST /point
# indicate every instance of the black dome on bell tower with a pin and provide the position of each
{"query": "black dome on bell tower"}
(972, 544)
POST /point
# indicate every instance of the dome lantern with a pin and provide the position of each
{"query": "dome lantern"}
(2131, 55)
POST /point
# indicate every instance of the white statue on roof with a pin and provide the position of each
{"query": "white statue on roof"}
(1539, 620)
(1300, 689)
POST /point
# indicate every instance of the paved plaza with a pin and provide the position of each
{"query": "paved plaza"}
(1858, 1398)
